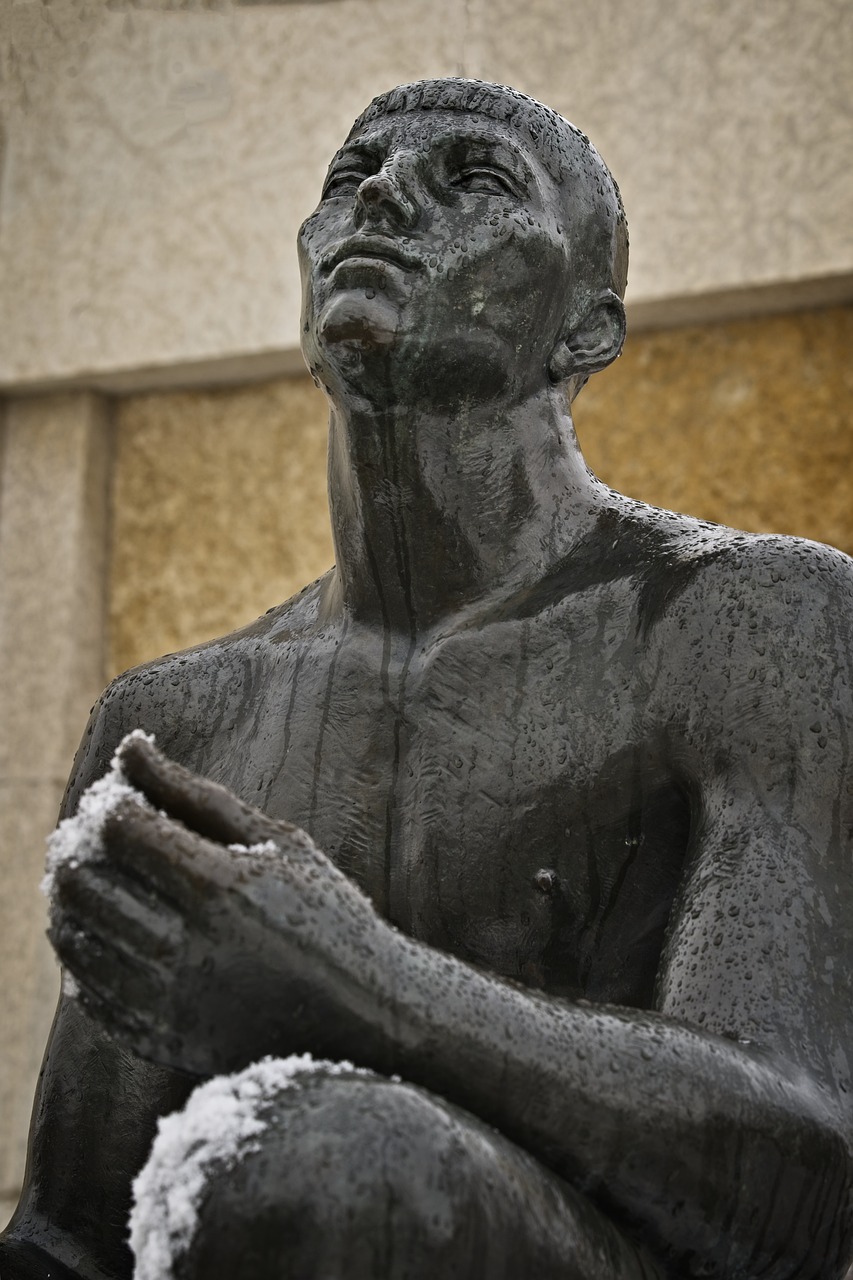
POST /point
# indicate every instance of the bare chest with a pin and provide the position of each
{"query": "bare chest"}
(497, 796)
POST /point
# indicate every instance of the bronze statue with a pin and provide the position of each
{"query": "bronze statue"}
(578, 898)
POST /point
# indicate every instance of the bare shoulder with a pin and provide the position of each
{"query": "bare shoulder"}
(776, 597)
(779, 573)
(187, 700)
(748, 658)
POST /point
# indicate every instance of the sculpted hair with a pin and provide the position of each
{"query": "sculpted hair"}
(566, 152)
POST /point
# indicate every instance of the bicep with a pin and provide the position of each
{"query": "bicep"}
(760, 941)
(759, 944)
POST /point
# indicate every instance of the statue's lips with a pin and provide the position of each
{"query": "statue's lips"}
(370, 247)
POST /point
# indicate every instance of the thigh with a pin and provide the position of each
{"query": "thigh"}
(22, 1260)
(356, 1177)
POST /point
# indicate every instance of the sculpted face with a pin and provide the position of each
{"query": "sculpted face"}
(439, 234)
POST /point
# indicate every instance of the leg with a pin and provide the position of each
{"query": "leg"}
(21, 1260)
(358, 1178)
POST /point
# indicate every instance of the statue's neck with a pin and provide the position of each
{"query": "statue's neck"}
(434, 510)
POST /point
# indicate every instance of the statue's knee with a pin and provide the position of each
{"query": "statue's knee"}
(384, 1179)
(378, 1155)
(335, 1172)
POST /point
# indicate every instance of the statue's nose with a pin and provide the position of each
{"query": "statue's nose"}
(388, 195)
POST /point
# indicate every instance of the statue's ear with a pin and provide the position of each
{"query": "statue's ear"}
(592, 344)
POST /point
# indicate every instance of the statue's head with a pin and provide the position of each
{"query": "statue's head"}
(472, 230)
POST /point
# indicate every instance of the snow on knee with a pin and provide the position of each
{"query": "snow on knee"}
(221, 1122)
(80, 838)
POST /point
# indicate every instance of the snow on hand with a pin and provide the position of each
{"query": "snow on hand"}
(79, 838)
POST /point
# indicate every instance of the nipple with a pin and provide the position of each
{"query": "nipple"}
(546, 881)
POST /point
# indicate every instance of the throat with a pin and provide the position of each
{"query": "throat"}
(434, 512)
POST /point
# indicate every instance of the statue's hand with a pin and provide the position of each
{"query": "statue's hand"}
(206, 934)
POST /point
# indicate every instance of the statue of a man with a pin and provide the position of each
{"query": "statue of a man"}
(578, 777)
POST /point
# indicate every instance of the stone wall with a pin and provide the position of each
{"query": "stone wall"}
(53, 562)
(219, 511)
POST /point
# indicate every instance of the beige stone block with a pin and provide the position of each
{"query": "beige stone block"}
(745, 423)
(30, 983)
(160, 159)
(53, 525)
(220, 512)
(727, 126)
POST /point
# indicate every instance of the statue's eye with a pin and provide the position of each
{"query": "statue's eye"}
(487, 180)
(343, 182)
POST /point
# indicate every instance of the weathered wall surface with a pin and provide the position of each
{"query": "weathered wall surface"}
(746, 423)
(219, 512)
(159, 156)
(220, 506)
(160, 159)
(53, 526)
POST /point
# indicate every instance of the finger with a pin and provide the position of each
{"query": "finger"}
(203, 806)
(172, 863)
(120, 981)
(142, 1036)
(104, 1011)
(148, 1038)
(120, 909)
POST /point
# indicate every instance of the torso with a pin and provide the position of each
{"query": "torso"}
(516, 787)
(497, 790)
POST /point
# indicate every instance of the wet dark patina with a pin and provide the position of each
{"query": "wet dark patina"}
(580, 774)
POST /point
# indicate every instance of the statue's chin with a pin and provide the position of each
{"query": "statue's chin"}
(353, 317)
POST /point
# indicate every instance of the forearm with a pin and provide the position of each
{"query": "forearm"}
(696, 1137)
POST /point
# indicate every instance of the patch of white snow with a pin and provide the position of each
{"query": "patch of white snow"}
(70, 985)
(80, 838)
(266, 849)
(220, 1123)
